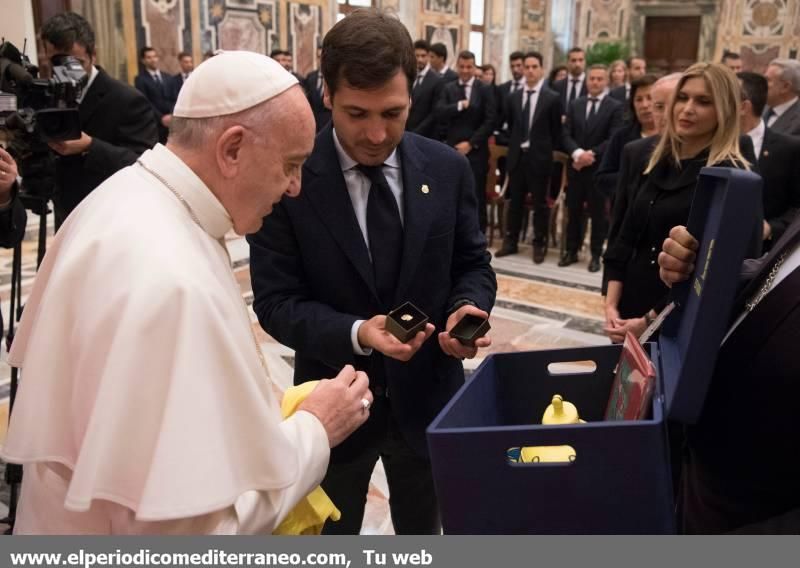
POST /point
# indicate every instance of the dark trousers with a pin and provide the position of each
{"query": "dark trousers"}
(528, 179)
(412, 499)
(479, 162)
(580, 190)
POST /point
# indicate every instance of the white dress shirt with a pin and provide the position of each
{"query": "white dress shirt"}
(467, 89)
(577, 153)
(358, 187)
(92, 77)
(537, 88)
(421, 75)
(778, 111)
(581, 79)
(757, 136)
(156, 75)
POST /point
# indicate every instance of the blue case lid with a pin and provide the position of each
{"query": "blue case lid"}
(723, 216)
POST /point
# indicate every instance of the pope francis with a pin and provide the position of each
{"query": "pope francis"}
(144, 405)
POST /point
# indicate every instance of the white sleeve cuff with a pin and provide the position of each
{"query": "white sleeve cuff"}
(357, 349)
(577, 154)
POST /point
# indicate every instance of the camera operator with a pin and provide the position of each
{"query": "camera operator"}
(12, 213)
(117, 121)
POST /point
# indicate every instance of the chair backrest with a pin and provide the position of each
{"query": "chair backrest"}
(495, 153)
(563, 159)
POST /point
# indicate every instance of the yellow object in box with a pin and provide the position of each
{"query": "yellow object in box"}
(558, 411)
(312, 511)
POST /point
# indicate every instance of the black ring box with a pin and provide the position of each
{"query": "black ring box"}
(470, 328)
(406, 329)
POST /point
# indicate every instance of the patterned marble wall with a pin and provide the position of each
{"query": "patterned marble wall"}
(598, 20)
(165, 25)
(760, 30)
(447, 22)
(239, 24)
(304, 35)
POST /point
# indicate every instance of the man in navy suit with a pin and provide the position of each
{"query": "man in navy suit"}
(315, 91)
(468, 111)
(424, 93)
(157, 88)
(384, 217)
(590, 123)
(534, 117)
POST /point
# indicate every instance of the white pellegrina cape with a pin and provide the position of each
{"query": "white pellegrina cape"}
(143, 405)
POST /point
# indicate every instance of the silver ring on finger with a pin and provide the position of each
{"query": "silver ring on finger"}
(365, 404)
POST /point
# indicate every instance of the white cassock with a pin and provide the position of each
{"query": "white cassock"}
(144, 406)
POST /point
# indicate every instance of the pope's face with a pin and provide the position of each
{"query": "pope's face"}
(370, 122)
(271, 163)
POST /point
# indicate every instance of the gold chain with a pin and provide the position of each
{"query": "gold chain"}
(767, 284)
(221, 241)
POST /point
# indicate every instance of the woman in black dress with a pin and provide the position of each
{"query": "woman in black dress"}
(702, 130)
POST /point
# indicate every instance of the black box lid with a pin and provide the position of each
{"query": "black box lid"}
(723, 216)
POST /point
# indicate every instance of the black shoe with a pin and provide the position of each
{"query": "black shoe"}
(539, 252)
(594, 264)
(506, 250)
(568, 258)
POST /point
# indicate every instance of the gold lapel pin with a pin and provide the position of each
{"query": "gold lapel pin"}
(425, 189)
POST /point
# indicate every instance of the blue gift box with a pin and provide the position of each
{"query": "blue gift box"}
(619, 480)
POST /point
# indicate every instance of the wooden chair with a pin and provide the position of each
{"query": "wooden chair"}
(558, 213)
(495, 195)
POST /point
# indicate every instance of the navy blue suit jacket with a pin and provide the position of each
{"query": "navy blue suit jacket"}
(312, 276)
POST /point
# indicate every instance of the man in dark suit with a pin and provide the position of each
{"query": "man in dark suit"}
(516, 83)
(778, 159)
(438, 60)
(574, 86)
(751, 405)
(384, 217)
(424, 94)
(783, 111)
(117, 121)
(186, 63)
(590, 123)
(535, 122)
(467, 109)
(157, 88)
(315, 91)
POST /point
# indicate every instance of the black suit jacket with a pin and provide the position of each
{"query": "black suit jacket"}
(121, 123)
(744, 451)
(545, 133)
(322, 114)
(475, 124)
(422, 115)
(779, 166)
(561, 87)
(619, 94)
(502, 128)
(159, 95)
(312, 277)
(593, 135)
(449, 75)
(174, 88)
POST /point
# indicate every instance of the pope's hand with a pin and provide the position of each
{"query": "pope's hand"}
(373, 335)
(676, 261)
(339, 403)
(453, 346)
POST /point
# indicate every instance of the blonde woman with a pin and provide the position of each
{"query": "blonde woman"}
(618, 74)
(702, 130)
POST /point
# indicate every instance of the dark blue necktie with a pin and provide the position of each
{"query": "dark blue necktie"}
(385, 233)
(526, 111)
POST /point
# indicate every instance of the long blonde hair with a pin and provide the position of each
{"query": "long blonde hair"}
(725, 91)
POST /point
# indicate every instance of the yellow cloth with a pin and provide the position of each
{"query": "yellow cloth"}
(313, 510)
